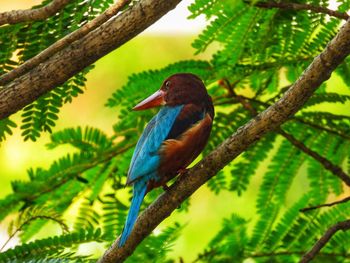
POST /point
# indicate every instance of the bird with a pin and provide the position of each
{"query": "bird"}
(172, 139)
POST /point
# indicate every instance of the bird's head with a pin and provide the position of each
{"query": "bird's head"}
(181, 88)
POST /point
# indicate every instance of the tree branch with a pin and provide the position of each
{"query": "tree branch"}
(64, 227)
(268, 120)
(281, 253)
(17, 16)
(297, 119)
(319, 127)
(298, 7)
(344, 225)
(62, 43)
(294, 118)
(81, 53)
(212, 253)
(346, 199)
(306, 122)
(336, 170)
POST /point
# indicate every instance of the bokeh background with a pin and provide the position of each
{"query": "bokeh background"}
(167, 41)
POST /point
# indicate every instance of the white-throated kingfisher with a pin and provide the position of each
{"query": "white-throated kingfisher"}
(171, 140)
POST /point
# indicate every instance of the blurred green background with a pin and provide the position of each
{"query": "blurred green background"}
(147, 51)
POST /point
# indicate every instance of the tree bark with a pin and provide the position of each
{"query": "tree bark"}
(297, 7)
(319, 71)
(17, 16)
(83, 52)
(62, 43)
(344, 226)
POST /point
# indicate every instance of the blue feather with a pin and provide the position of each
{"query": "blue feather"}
(145, 159)
(145, 162)
(139, 192)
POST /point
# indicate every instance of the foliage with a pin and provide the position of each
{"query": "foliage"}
(261, 52)
(5, 127)
(284, 241)
(50, 247)
(25, 40)
(156, 245)
(41, 115)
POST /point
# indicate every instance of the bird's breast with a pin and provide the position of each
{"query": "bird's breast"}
(178, 153)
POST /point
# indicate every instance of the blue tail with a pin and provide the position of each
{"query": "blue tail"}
(139, 192)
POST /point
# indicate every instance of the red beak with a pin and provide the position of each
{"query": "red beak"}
(156, 99)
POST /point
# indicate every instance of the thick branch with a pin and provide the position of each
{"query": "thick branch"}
(62, 43)
(17, 16)
(346, 199)
(83, 52)
(298, 7)
(268, 120)
(344, 225)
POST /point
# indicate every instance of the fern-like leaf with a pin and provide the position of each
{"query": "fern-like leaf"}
(51, 245)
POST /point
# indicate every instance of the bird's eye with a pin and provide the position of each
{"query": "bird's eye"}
(167, 85)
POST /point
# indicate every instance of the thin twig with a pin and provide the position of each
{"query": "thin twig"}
(344, 225)
(211, 253)
(63, 42)
(20, 228)
(302, 121)
(17, 16)
(281, 253)
(327, 164)
(298, 7)
(346, 199)
(322, 128)
(294, 118)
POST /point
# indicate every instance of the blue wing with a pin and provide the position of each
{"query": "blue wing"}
(145, 159)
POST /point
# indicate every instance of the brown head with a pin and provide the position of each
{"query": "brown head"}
(181, 88)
